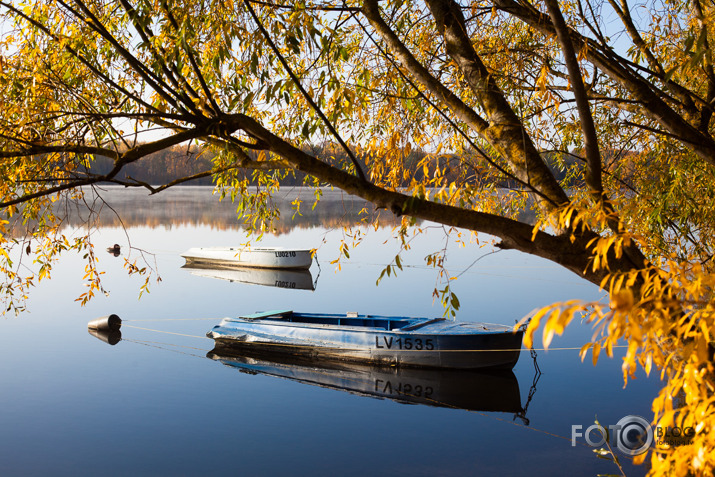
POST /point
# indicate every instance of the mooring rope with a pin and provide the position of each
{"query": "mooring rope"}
(338, 348)
(151, 344)
(315, 282)
(522, 415)
(167, 332)
(168, 344)
(171, 319)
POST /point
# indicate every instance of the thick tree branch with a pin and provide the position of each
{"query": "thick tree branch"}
(502, 128)
(516, 235)
(465, 113)
(588, 128)
(443, 112)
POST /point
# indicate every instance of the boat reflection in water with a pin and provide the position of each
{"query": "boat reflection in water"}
(280, 278)
(496, 391)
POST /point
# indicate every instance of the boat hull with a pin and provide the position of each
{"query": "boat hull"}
(440, 345)
(255, 257)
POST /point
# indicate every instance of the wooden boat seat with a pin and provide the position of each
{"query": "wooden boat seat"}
(420, 325)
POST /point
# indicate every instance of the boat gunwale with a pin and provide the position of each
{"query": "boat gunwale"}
(268, 320)
(240, 250)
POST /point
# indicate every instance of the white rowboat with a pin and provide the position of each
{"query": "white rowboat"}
(257, 257)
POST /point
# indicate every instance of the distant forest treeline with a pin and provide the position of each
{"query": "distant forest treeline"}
(162, 167)
(181, 161)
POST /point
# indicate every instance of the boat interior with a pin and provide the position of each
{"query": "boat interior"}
(364, 321)
(350, 319)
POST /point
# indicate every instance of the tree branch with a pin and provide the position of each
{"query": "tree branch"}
(502, 128)
(146, 35)
(306, 95)
(513, 234)
(155, 82)
(79, 57)
(616, 68)
(120, 160)
(214, 107)
(590, 137)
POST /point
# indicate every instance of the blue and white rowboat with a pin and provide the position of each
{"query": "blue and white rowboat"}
(399, 341)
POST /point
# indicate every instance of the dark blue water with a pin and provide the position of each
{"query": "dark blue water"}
(155, 404)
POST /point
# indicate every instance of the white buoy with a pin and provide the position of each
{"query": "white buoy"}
(110, 323)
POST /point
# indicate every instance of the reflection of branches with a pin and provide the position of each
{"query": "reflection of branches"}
(194, 205)
(143, 253)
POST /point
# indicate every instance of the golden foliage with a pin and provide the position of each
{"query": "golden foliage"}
(469, 120)
(665, 313)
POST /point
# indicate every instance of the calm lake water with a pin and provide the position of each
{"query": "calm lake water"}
(158, 403)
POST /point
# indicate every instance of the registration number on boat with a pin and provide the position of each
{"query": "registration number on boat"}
(390, 342)
(285, 254)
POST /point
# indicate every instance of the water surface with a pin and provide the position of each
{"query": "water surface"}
(160, 404)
